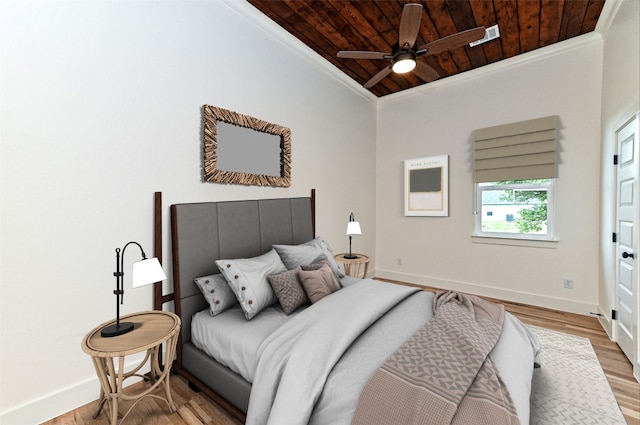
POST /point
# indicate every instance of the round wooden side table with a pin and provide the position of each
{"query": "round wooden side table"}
(151, 329)
(352, 266)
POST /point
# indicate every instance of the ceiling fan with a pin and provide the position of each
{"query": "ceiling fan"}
(405, 52)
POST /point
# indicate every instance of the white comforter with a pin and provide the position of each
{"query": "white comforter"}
(312, 369)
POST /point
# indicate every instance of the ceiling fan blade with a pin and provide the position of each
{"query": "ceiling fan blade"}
(425, 72)
(452, 41)
(353, 54)
(376, 78)
(409, 24)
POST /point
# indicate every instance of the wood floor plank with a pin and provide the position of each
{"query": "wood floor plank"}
(196, 409)
(188, 416)
(201, 412)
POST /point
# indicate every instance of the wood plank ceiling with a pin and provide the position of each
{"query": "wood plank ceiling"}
(328, 26)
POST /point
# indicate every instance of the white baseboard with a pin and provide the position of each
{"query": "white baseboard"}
(607, 324)
(537, 300)
(53, 405)
(60, 402)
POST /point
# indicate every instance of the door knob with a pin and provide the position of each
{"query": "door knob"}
(627, 255)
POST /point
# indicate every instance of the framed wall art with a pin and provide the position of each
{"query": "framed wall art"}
(426, 186)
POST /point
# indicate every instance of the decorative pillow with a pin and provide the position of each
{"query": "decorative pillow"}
(324, 245)
(296, 255)
(315, 266)
(318, 283)
(288, 290)
(217, 292)
(307, 253)
(247, 278)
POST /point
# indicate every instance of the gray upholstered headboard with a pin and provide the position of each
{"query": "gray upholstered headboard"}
(204, 232)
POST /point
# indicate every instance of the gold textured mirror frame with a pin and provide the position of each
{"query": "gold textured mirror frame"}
(210, 118)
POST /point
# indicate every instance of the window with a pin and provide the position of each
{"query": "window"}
(517, 209)
(515, 167)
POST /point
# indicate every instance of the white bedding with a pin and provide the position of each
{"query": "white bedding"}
(218, 336)
(295, 361)
(332, 398)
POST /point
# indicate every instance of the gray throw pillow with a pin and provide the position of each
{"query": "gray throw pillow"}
(309, 252)
(288, 290)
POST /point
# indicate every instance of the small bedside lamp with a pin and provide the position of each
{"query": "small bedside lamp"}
(353, 228)
(146, 271)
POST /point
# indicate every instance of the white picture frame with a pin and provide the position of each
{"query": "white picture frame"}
(426, 186)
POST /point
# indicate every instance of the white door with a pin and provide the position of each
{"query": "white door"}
(627, 254)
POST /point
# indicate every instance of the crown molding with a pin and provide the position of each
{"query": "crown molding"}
(532, 56)
(609, 11)
(253, 15)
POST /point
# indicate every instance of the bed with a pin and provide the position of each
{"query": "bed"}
(274, 364)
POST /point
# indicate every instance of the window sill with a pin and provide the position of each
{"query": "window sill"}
(532, 243)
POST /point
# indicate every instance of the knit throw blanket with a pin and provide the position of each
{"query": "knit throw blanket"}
(443, 374)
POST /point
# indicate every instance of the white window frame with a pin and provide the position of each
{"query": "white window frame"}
(549, 236)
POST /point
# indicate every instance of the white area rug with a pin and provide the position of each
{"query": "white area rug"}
(570, 387)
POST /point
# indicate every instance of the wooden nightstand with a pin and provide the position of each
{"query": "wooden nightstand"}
(352, 266)
(151, 330)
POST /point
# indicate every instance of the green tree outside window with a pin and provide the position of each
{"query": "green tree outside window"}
(532, 218)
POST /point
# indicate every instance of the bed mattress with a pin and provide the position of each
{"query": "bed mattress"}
(233, 340)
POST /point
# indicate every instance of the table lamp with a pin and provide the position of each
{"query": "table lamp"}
(353, 228)
(146, 271)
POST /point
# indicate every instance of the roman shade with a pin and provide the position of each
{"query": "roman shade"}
(516, 151)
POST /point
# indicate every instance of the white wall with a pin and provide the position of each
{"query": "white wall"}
(440, 120)
(101, 107)
(620, 100)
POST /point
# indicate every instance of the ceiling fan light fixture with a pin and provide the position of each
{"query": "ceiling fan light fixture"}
(403, 63)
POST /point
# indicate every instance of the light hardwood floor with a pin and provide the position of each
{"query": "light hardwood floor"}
(196, 409)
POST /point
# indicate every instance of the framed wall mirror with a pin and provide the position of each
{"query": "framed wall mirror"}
(239, 149)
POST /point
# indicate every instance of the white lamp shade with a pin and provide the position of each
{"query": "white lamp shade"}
(353, 228)
(147, 271)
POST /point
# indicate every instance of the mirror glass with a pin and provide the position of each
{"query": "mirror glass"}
(240, 149)
(246, 150)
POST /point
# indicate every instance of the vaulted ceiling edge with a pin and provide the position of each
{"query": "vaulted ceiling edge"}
(248, 11)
